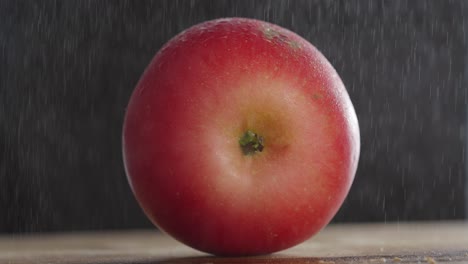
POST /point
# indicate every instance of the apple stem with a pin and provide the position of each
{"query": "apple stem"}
(251, 143)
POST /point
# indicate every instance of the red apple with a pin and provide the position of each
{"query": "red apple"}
(240, 138)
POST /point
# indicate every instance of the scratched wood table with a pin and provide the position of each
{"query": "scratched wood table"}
(441, 242)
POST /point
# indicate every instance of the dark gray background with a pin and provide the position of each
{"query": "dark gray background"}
(67, 69)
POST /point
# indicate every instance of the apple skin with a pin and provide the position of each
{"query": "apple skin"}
(201, 92)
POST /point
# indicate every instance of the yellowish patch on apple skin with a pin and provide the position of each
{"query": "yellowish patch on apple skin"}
(272, 34)
(317, 96)
(269, 115)
(268, 123)
(272, 109)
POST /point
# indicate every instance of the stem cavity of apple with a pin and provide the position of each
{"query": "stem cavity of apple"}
(251, 143)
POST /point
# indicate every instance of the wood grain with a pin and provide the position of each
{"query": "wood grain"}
(442, 242)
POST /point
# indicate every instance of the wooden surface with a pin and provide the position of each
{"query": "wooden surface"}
(445, 242)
